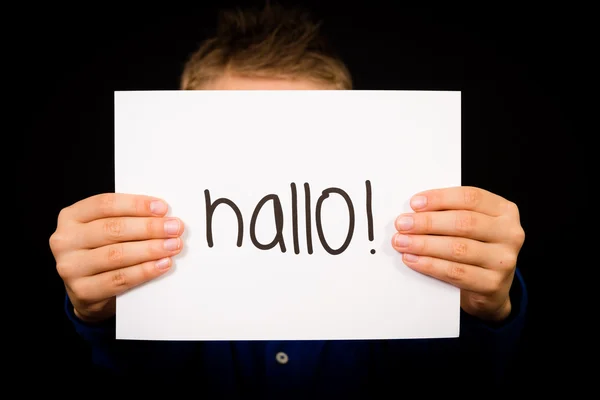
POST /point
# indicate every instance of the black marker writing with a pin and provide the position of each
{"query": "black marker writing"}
(278, 213)
(295, 218)
(369, 213)
(210, 209)
(278, 216)
(324, 196)
(308, 225)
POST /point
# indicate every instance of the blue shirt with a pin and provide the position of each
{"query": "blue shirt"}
(290, 369)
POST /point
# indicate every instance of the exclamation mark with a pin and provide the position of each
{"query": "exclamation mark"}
(369, 213)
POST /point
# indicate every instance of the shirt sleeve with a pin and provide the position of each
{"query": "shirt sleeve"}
(99, 336)
(91, 333)
(114, 357)
(495, 346)
(483, 354)
(509, 329)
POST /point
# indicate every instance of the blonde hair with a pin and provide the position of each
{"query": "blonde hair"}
(273, 42)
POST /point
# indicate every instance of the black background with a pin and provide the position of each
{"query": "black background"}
(517, 69)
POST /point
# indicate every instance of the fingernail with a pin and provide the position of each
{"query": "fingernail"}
(418, 202)
(402, 241)
(404, 223)
(158, 207)
(164, 263)
(411, 257)
(172, 227)
(171, 244)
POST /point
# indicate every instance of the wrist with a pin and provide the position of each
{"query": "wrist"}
(498, 315)
(86, 318)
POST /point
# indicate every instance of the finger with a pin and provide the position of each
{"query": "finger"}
(102, 232)
(466, 224)
(461, 250)
(108, 205)
(462, 198)
(463, 276)
(120, 255)
(113, 283)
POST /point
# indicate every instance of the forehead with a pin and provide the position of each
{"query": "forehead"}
(228, 82)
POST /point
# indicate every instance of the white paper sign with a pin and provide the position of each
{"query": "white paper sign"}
(322, 168)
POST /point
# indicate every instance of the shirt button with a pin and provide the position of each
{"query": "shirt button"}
(282, 358)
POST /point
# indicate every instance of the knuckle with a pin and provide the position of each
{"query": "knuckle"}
(64, 269)
(479, 302)
(428, 222)
(114, 227)
(81, 291)
(55, 241)
(424, 221)
(140, 205)
(517, 235)
(512, 207)
(472, 196)
(465, 222)
(119, 279)
(508, 260)
(59, 241)
(106, 203)
(157, 249)
(148, 272)
(428, 266)
(459, 249)
(455, 272)
(151, 227)
(63, 214)
(115, 254)
(419, 244)
(495, 283)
